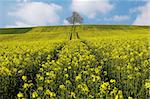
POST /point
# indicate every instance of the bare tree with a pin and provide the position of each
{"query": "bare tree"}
(74, 19)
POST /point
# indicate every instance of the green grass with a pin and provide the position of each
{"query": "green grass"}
(63, 32)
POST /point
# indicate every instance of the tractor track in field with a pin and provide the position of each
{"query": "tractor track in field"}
(55, 56)
(76, 35)
(35, 70)
(97, 55)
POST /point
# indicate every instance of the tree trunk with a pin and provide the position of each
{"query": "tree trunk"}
(73, 24)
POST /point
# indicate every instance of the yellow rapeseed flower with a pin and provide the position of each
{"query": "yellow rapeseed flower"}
(72, 94)
(113, 81)
(34, 94)
(48, 92)
(20, 95)
(78, 78)
(48, 81)
(40, 88)
(25, 86)
(62, 87)
(69, 67)
(147, 84)
(130, 98)
(24, 78)
(66, 75)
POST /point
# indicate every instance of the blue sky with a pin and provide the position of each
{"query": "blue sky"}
(23, 13)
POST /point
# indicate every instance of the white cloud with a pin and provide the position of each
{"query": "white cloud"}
(18, 24)
(134, 10)
(118, 18)
(23, 0)
(66, 22)
(144, 16)
(36, 14)
(91, 8)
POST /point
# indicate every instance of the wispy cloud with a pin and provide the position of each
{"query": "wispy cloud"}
(144, 16)
(91, 8)
(23, 0)
(117, 18)
(36, 13)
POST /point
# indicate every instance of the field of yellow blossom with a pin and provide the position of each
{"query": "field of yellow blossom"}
(107, 62)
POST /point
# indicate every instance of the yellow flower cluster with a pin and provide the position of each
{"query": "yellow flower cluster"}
(99, 68)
